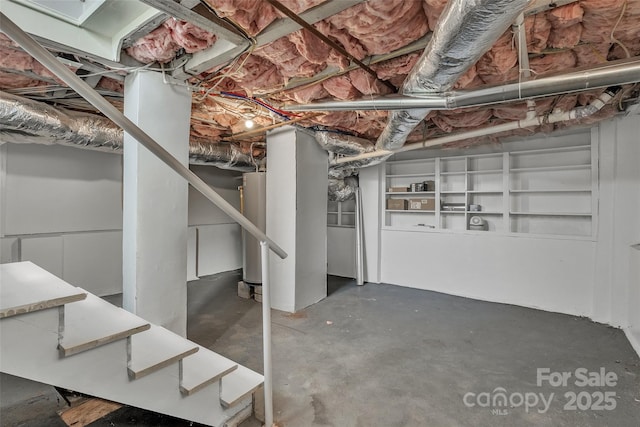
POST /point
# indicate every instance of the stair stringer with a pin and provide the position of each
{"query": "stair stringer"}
(28, 349)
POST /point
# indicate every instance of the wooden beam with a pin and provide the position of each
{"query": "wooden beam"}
(197, 18)
(217, 56)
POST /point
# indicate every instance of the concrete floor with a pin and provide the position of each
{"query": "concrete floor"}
(383, 355)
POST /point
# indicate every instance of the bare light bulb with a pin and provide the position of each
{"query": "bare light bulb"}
(248, 124)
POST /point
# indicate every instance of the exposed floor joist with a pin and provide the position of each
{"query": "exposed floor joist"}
(217, 55)
(142, 31)
(184, 13)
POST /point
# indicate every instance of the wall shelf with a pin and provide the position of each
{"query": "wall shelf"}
(485, 192)
(341, 214)
(515, 197)
(551, 213)
(411, 175)
(490, 171)
(551, 168)
(554, 190)
(409, 193)
(408, 211)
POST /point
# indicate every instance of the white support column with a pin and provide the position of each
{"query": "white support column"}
(297, 218)
(371, 188)
(155, 203)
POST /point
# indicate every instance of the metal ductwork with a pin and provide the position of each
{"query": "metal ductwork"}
(342, 188)
(25, 120)
(466, 30)
(221, 156)
(578, 113)
(614, 73)
(346, 145)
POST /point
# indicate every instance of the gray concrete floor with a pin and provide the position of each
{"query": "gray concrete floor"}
(382, 355)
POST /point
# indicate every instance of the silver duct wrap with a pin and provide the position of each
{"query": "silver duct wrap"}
(346, 145)
(342, 189)
(24, 119)
(466, 30)
(221, 156)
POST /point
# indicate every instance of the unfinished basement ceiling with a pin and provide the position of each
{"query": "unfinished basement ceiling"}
(252, 62)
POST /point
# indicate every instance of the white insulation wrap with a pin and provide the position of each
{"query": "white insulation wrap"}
(466, 30)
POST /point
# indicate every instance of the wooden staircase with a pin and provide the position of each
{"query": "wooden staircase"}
(58, 334)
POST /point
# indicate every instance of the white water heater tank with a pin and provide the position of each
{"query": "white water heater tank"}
(254, 185)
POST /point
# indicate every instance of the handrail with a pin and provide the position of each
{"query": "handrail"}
(94, 98)
(76, 83)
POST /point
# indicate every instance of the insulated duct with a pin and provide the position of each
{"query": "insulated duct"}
(40, 122)
(25, 120)
(555, 117)
(345, 145)
(341, 189)
(222, 156)
(465, 31)
(614, 73)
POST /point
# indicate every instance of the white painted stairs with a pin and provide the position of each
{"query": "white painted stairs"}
(58, 334)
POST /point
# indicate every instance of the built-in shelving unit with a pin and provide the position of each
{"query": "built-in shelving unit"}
(542, 192)
(341, 214)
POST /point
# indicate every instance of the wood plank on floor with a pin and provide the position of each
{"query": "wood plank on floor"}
(88, 412)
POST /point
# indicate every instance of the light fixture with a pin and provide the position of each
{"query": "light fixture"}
(249, 124)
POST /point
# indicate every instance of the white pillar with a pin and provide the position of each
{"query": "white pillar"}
(370, 187)
(297, 218)
(155, 203)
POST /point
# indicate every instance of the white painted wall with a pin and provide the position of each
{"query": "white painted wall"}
(598, 278)
(297, 218)
(341, 251)
(154, 229)
(62, 209)
(617, 268)
(370, 182)
(549, 274)
(71, 235)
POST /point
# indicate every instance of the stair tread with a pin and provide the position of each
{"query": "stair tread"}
(238, 385)
(94, 322)
(203, 368)
(25, 287)
(156, 348)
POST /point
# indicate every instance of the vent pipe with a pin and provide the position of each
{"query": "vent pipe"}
(465, 31)
(614, 73)
(25, 120)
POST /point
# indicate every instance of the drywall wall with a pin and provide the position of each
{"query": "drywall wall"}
(341, 251)
(55, 189)
(617, 265)
(297, 218)
(71, 234)
(549, 274)
(370, 182)
(595, 277)
(218, 238)
(62, 210)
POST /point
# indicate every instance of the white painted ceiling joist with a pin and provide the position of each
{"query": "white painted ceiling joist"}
(217, 56)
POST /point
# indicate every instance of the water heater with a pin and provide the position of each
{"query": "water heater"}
(254, 185)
